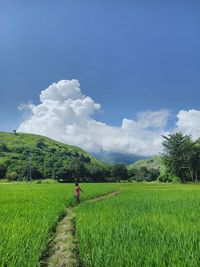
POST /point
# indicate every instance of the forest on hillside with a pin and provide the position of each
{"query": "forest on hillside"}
(27, 157)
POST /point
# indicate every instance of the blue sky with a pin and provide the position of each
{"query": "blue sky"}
(129, 56)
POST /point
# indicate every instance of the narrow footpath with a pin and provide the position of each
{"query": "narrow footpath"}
(63, 250)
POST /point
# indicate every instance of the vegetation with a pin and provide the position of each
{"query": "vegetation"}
(181, 157)
(28, 214)
(52, 159)
(22, 153)
(180, 162)
(146, 170)
(145, 225)
(49, 159)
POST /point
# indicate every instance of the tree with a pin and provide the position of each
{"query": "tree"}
(153, 174)
(72, 172)
(98, 174)
(178, 149)
(2, 171)
(132, 173)
(194, 162)
(119, 171)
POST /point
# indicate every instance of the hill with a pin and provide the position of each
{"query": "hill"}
(151, 163)
(46, 158)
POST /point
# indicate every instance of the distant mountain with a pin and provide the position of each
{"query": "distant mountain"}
(117, 158)
(48, 158)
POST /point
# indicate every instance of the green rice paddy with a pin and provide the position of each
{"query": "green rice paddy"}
(28, 212)
(144, 225)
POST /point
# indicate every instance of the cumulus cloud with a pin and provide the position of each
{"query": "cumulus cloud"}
(189, 122)
(67, 115)
(148, 120)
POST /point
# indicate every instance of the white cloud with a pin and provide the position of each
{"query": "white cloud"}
(189, 122)
(61, 91)
(148, 120)
(65, 114)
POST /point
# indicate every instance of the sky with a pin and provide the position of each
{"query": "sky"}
(103, 75)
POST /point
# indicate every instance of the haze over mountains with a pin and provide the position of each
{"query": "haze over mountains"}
(118, 158)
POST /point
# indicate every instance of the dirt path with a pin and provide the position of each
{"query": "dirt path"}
(102, 197)
(64, 250)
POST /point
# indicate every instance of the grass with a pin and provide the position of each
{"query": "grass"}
(28, 214)
(145, 225)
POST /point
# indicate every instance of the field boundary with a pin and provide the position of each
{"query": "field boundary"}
(63, 249)
(102, 197)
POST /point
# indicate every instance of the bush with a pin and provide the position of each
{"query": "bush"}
(36, 174)
(168, 178)
(3, 147)
(139, 178)
(162, 178)
(12, 176)
(175, 179)
(46, 181)
(40, 144)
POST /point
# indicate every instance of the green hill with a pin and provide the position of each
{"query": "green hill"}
(47, 158)
(151, 163)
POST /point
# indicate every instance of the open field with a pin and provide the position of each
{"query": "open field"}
(28, 212)
(145, 225)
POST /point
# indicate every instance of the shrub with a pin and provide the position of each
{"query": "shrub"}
(3, 147)
(139, 178)
(12, 176)
(40, 144)
(168, 177)
(175, 179)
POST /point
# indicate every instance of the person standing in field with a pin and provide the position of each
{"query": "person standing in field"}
(78, 191)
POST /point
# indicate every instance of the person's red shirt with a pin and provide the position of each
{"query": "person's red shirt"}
(78, 191)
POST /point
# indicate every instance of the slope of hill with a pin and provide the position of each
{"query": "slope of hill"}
(47, 158)
(151, 163)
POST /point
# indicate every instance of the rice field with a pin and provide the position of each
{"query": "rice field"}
(145, 225)
(28, 212)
